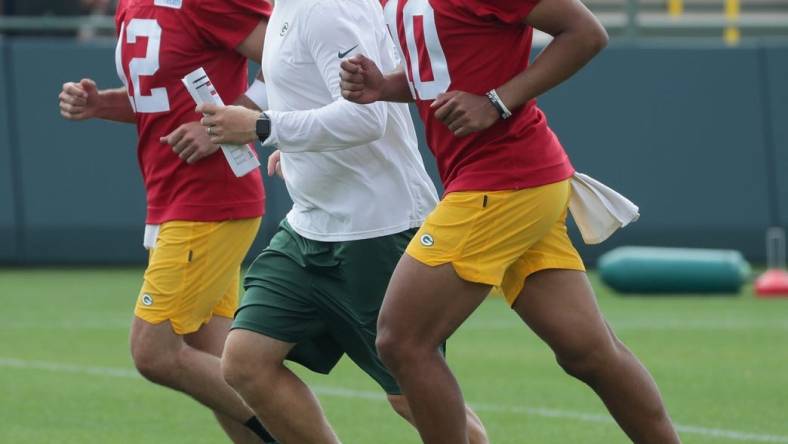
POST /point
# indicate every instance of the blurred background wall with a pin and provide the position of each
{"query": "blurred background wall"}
(693, 129)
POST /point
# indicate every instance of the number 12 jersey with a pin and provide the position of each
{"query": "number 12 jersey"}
(475, 46)
(159, 42)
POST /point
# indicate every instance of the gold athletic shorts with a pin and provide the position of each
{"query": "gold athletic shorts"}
(193, 272)
(499, 238)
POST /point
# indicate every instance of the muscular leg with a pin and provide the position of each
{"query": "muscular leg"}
(165, 358)
(560, 307)
(422, 308)
(253, 365)
(210, 339)
(476, 431)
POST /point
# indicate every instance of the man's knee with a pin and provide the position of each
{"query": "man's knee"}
(154, 350)
(392, 349)
(154, 363)
(401, 352)
(242, 366)
(236, 370)
(386, 346)
(587, 359)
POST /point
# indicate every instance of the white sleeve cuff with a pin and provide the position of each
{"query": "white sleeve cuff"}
(258, 94)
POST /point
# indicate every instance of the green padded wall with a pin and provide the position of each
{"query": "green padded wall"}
(678, 130)
(8, 222)
(82, 191)
(777, 74)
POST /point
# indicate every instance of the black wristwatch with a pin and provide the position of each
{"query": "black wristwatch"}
(263, 127)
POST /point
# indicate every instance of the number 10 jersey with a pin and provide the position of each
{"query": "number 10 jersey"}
(159, 42)
(475, 46)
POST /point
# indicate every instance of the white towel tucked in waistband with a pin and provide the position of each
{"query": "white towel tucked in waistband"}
(599, 210)
(150, 236)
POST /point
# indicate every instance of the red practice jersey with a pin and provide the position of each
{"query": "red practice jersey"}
(159, 42)
(475, 46)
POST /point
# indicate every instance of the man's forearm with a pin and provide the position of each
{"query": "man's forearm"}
(246, 102)
(563, 57)
(114, 105)
(395, 88)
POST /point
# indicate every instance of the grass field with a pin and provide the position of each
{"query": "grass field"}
(66, 375)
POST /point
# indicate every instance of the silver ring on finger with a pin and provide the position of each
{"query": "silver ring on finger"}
(210, 131)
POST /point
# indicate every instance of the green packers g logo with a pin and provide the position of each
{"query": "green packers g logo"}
(427, 240)
(147, 300)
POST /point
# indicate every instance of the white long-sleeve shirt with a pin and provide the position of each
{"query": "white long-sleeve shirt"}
(353, 171)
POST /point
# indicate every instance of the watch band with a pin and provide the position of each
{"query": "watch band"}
(498, 104)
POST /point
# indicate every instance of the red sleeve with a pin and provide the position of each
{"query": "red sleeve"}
(507, 11)
(119, 10)
(227, 22)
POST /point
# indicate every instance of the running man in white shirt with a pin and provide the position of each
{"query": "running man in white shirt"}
(359, 192)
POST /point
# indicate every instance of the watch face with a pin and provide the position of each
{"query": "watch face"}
(263, 128)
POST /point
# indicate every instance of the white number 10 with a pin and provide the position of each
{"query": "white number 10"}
(157, 101)
(429, 71)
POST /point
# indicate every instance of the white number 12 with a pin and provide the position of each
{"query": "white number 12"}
(157, 101)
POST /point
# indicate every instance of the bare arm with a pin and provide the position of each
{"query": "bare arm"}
(577, 38)
(252, 46)
(396, 87)
(82, 100)
(115, 105)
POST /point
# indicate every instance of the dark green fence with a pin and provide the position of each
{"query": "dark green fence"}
(693, 134)
(8, 213)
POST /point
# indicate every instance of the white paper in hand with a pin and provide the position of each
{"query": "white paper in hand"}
(241, 158)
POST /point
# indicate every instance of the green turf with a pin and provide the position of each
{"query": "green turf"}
(721, 363)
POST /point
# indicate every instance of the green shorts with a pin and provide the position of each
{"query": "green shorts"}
(324, 297)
